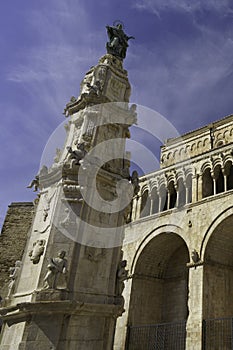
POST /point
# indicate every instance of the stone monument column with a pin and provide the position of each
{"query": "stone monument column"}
(68, 293)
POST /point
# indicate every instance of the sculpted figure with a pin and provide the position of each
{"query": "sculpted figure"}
(122, 275)
(37, 251)
(78, 154)
(135, 182)
(14, 273)
(43, 171)
(58, 155)
(35, 183)
(56, 266)
(118, 41)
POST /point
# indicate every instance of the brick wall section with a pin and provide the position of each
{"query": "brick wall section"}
(13, 236)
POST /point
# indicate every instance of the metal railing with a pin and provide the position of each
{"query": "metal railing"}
(218, 334)
(165, 336)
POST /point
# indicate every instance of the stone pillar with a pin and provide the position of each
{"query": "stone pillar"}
(151, 204)
(186, 193)
(177, 196)
(225, 179)
(199, 187)
(214, 182)
(168, 199)
(195, 305)
(122, 322)
(194, 188)
(160, 202)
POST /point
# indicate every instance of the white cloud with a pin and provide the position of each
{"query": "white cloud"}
(157, 6)
(180, 79)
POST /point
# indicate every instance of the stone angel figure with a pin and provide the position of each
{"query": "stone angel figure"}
(118, 41)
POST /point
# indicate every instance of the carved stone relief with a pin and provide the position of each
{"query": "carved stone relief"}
(37, 251)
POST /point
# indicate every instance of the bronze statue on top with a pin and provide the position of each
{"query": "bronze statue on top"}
(118, 41)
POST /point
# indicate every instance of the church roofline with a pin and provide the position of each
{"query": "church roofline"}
(197, 131)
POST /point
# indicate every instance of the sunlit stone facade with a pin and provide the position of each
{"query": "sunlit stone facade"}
(180, 256)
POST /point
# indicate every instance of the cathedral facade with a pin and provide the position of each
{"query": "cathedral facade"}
(180, 260)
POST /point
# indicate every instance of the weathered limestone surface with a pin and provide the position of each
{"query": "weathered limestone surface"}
(180, 256)
(68, 293)
(13, 236)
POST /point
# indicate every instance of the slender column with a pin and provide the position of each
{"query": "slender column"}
(199, 187)
(168, 199)
(177, 196)
(225, 179)
(160, 202)
(151, 205)
(214, 182)
(194, 187)
(186, 192)
(195, 305)
(138, 211)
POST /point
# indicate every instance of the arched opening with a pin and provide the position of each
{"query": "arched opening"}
(229, 173)
(189, 188)
(218, 287)
(207, 184)
(159, 291)
(154, 201)
(145, 204)
(182, 193)
(172, 195)
(219, 178)
(218, 271)
(163, 194)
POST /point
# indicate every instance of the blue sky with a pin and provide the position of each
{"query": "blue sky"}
(180, 64)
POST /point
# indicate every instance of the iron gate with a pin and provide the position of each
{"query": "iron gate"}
(165, 336)
(218, 334)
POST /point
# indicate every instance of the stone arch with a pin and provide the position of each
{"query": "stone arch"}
(163, 195)
(172, 195)
(189, 187)
(219, 178)
(169, 155)
(187, 149)
(145, 203)
(176, 155)
(205, 142)
(221, 217)
(228, 167)
(193, 147)
(226, 134)
(219, 143)
(182, 192)
(206, 165)
(182, 153)
(160, 279)
(163, 158)
(218, 268)
(154, 200)
(207, 181)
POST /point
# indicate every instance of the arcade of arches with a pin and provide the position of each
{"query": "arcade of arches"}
(178, 193)
(161, 287)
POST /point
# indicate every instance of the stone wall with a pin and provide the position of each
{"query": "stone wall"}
(13, 237)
